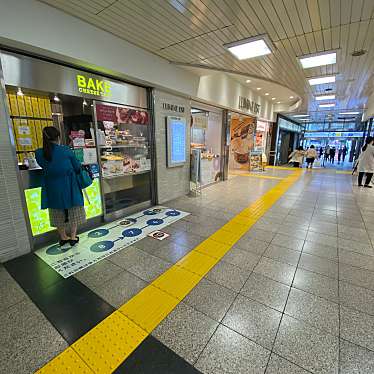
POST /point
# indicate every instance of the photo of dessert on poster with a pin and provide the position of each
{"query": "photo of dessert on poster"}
(242, 133)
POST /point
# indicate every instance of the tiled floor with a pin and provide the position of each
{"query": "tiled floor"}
(294, 295)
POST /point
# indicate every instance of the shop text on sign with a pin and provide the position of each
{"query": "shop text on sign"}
(173, 107)
(248, 104)
(93, 86)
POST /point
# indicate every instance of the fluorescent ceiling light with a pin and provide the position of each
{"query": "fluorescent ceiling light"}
(318, 60)
(249, 48)
(325, 97)
(348, 113)
(322, 80)
(327, 105)
(300, 115)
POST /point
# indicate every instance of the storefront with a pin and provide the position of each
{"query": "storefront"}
(207, 139)
(107, 124)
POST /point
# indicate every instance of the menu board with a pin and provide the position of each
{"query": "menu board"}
(176, 132)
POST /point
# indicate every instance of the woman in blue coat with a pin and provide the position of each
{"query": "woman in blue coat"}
(61, 193)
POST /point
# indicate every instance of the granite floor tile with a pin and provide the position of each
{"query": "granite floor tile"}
(317, 284)
(356, 259)
(186, 331)
(186, 239)
(266, 291)
(322, 239)
(314, 310)
(32, 350)
(357, 276)
(356, 297)
(290, 230)
(211, 299)
(171, 252)
(228, 275)
(282, 254)
(275, 270)
(259, 234)
(319, 265)
(288, 242)
(357, 327)
(279, 365)
(253, 320)
(307, 346)
(355, 246)
(324, 228)
(140, 263)
(241, 258)
(321, 250)
(10, 292)
(99, 273)
(230, 353)
(355, 359)
(121, 288)
(252, 245)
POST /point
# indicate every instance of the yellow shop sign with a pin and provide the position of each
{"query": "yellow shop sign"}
(93, 86)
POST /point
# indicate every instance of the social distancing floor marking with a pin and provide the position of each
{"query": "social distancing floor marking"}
(109, 343)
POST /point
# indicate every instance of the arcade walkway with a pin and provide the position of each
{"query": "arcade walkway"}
(271, 273)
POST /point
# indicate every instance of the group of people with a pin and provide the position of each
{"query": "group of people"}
(298, 155)
(330, 153)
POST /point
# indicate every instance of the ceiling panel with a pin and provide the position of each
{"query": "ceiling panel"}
(194, 32)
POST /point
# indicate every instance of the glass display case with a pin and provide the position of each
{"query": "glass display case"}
(123, 135)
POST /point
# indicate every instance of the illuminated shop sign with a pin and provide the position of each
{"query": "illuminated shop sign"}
(331, 134)
(93, 86)
(248, 104)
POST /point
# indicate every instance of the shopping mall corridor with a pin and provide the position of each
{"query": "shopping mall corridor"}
(283, 282)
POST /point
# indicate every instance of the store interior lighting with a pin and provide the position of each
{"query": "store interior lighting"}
(85, 102)
(19, 92)
(322, 80)
(249, 48)
(300, 115)
(330, 105)
(320, 59)
(56, 99)
(325, 97)
(349, 113)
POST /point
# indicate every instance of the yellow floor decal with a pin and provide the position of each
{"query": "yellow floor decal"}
(108, 344)
(257, 176)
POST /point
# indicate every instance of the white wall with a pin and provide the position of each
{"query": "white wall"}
(39, 28)
(369, 112)
(219, 88)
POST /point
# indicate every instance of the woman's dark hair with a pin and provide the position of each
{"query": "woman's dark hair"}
(300, 148)
(50, 136)
(369, 140)
(312, 146)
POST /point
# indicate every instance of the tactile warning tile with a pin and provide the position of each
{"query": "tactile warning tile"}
(67, 362)
(237, 228)
(212, 248)
(177, 282)
(149, 307)
(226, 237)
(109, 343)
(197, 263)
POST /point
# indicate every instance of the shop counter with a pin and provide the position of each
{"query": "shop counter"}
(39, 218)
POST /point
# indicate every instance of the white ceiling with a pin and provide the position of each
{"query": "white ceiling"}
(193, 32)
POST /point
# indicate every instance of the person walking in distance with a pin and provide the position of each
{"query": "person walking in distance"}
(340, 152)
(61, 192)
(297, 157)
(332, 154)
(320, 152)
(344, 153)
(311, 155)
(366, 162)
(327, 153)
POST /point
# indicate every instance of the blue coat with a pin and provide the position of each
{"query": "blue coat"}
(60, 189)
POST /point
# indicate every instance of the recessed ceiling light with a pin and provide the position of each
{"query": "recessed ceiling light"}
(249, 48)
(273, 98)
(258, 88)
(322, 80)
(267, 94)
(330, 105)
(291, 97)
(349, 113)
(300, 115)
(320, 59)
(325, 97)
(248, 81)
(278, 102)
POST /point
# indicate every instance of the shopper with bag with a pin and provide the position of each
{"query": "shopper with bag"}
(366, 163)
(63, 181)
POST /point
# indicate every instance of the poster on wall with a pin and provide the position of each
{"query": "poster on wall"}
(176, 133)
(242, 138)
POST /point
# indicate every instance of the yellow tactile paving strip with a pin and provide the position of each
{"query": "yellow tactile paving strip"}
(253, 175)
(108, 344)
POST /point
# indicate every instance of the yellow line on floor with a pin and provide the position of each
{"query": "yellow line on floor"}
(109, 343)
(280, 167)
(256, 176)
(343, 172)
